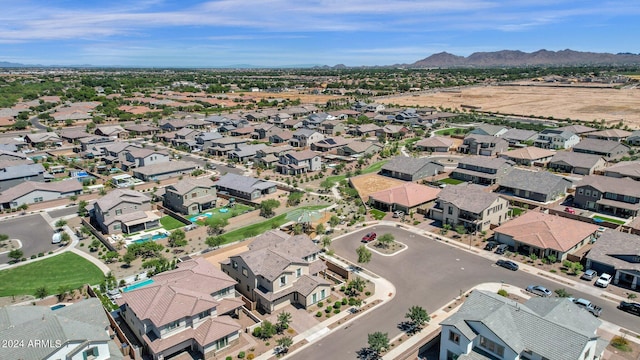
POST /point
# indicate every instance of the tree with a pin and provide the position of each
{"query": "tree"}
(177, 238)
(20, 124)
(297, 229)
(364, 255)
(320, 229)
(65, 238)
(4, 237)
(82, 208)
(334, 221)
(378, 342)
(95, 244)
(42, 292)
(128, 258)
(562, 293)
(214, 241)
(110, 256)
(574, 267)
(445, 229)
(267, 207)
(326, 184)
(326, 242)
(460, 229)
(284, 318)
(284, 343)
(418, 317)
(267, 330)
(63, 291)
(60, 223)
(216, 226)
(16, 254)
(386, 240)
(294, 198)
(355, 286)
(73, 198)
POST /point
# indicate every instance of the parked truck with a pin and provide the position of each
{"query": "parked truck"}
(587, 305)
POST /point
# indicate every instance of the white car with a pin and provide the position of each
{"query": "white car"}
(603, 281)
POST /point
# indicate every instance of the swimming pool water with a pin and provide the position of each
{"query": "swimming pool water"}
(59, 306)
(137, 285)
(154, 237)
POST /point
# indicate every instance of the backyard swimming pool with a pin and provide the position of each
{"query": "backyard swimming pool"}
(59, 306)
(224, 210)
(153, 237)
(201, 217)
(137, 285)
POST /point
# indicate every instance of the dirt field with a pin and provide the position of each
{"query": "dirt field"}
(370, 183)
(560, 102)
(292, 95)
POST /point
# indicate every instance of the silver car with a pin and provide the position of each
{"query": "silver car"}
(539, 290)
(589, 275)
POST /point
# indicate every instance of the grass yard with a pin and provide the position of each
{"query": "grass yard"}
(446, 132)
(614, 221)
(66, 269)
(377, 214)
(516, 211)
(450, 181)
(169, 223)
(236, 210)
(259, 228)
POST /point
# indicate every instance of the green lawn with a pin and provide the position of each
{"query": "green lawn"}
(450, 181)
(169, 223)
(614, 221)
(377, 214)
(66, 269)
(236, 210)
(516, 211)
(259, 228)
(451, 131)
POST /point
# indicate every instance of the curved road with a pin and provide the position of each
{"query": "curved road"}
(429, 274)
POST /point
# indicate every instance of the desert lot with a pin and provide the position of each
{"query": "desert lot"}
(576, 103)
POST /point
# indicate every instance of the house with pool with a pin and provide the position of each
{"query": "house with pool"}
(124, 211)
(189, 309)
(190, 196)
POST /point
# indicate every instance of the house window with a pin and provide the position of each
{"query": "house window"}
(450, 211)
(248, 289)
(323, 293)
(203, 314)
(118, 212)
(38, 199)
(117, 227)
(90, 353)
(587, 193)
(245, 272)
(299, 272)
(451, 356)
(283, 280)
(173, 325)
(586, 355)
(314, 298)
(580, 191)
(222, 343)
(454, 337)
(193, 195)
(491, 346)
(234, 264)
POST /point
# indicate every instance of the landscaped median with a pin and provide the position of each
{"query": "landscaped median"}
(64, 270)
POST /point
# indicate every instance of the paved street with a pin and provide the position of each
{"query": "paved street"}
(428, 274)
(71, 210)
(32, 230)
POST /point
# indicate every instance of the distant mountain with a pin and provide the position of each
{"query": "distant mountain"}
(5, 64)
(516, 58)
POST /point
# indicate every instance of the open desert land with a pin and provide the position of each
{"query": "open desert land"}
(587, 104)
(293, 95)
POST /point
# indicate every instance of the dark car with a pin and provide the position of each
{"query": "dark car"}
(369, 237)
(507, 264)
(491, 245)
(630, 307)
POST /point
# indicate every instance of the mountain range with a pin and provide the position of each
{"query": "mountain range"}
(516, 58)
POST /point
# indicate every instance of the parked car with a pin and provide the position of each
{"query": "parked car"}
(507, 264)
(539, 290)
(369, 237)
(587, 305)
(398, 214)
(501, 249)
(603, 281)
(589, 275)
(491, 245)
(630, 307)
(570, 210)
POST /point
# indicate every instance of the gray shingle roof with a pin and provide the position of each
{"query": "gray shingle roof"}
(597, 145)
(22, 170)
(241, 183)
(117, 196)
(165, 167)
(185, 185)
(469, 197)
(519, 135)
(407, 165)
(575, 159)
(540, 182)
(612, 246)
(623, 186)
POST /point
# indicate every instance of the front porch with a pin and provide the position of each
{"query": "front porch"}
(627, 278)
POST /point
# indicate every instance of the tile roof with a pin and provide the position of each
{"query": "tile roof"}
(117, 196)
(623, 186)
(242, 183)
(436, 141)
(528, 153)
(610, 133)
(409, 195)
(20, 170)
(469, 197)
(110, 130)
(185, 185)
(576, 159)
(166, 167)
(625, 168)
(597, 145)
(541, 182)
(519, 135)
(302, 155)
(485, 162)
(547, 231)
(576, 129)
(613, 246)
(22, 189)
(138, 152)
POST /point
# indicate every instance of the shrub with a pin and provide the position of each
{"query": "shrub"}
(342, 288)
(328, 309)
(337, 305)
(33, 256)
(352, 301)
(320, 304)
(256, 331)
(40, 254)
(251, 356)
(503, 292)
(329, 300)
(416, 222)
(228, 358)
(336, 311)
(344, 301)
(368, 293)
(319, 314)
(241, 355)
(620, 343)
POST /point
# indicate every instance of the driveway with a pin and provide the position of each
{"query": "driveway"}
(33, 231)
(428, 274)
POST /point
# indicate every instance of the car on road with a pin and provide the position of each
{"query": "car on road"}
(501, 249)
(603, 281)
(491, 245)
(589, 275)
(507, 264)
(630, 307)
(539, 290)
(587, 305)
(369, 237)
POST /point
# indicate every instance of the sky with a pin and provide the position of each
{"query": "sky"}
(200, 33)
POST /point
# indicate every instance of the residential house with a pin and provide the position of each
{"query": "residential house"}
(243, 131)
(436, 144)
(489, 130)
(305, 137)
(332, 127)
(618, 254)
(579, 130)
(279, 136)
(630, 169)
(556, 139)
(540, 186)
(270, 155)
(223, 145)
(411, 169)
(184, 310)
(245, 152)
(14, 172)
(165, 170)
(72, 136)
(362, 107)
(481, 170)
(490, 326)
(529, 156)
(608, 149)
(408, 198)
(244, 187)
(135, 157)
(294, 123)
(634, 138)
(469, 205)
(328, 144)
(365, 130)
(576, 163)
(112, 131)
(359, 148)
(218, 120)
(115, 152)
(205, 139)
(177, 124)
(76, 331)
(485, 145)
(299, 162)
(545, 235)
(518, 137)
(43, 140)
(6, 157)
(89, 142)
(186, 134)
(407, 116)
(279, 269)
(190, 196)
(392, 132)
(605, 194)
(260, 131)
(145, 129)
(279, 119)
(32, 192)
(124, 210)
(609, 134)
